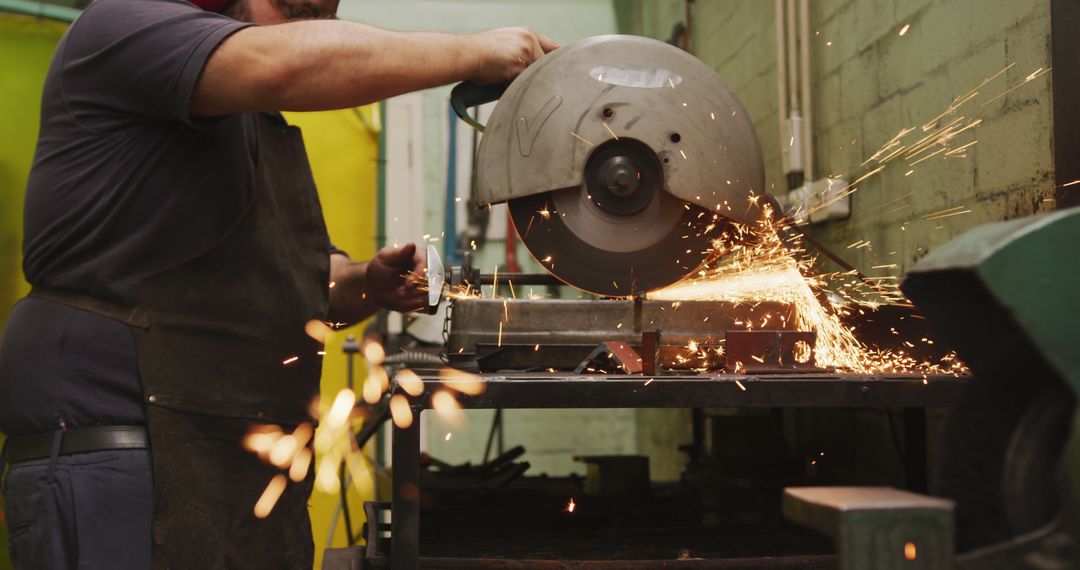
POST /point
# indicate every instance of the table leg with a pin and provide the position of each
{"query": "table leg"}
(915, 470)
(405, 509)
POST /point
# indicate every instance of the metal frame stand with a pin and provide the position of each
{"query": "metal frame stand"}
(572, 391)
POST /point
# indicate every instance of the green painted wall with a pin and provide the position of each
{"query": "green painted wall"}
(868, 83)
(657, 18)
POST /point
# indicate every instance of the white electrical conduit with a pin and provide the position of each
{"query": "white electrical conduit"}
(791, 131)
(804, 75)
(793, 70)
(794, 108)
(781, 71)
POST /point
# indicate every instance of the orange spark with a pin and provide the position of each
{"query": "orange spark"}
(270, 496)
(317, 330)
(372, 391)
(299, 468)
(410, 382)
(581, 138)
(610, 131)
(447, 407)
(464, 382)
(400, 411)
(374, 353)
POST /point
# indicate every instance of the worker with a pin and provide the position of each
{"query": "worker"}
(176, 249)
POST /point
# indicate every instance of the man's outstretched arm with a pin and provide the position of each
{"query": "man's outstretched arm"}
(319, 65)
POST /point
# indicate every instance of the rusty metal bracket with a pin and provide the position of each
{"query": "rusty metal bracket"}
(650, 352)
(611, 356)
(769, 350)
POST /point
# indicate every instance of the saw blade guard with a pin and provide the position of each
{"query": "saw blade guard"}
(572, 101)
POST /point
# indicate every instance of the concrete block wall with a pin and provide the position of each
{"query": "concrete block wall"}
(868, 83)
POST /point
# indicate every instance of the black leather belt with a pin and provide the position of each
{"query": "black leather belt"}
(21, 448)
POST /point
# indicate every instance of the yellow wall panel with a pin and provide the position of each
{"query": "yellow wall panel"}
(26, 47)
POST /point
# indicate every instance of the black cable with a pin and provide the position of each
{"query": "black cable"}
(350, 347)
(496, 423)
(345, 504)
(378, 415)
(414, 358)
(502, 446)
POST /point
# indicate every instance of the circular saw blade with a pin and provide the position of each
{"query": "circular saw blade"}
(591, 249)
(601, 94)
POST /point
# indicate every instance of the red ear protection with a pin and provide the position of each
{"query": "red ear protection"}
(211, 5)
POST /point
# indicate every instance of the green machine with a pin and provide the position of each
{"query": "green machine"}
(1007, 482)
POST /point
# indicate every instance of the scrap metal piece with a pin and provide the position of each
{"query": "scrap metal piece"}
(611, 357)
(877, 528)
(650, 350)
(770, 350)
(624, 476)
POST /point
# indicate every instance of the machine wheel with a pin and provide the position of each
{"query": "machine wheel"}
(1001, 457)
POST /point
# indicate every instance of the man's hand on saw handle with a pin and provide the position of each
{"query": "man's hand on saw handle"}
(505, 52)
(393, 279)
(319, 65)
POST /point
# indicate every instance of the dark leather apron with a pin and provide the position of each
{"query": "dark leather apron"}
(211, 335)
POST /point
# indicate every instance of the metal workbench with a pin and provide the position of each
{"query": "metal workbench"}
(560, 390)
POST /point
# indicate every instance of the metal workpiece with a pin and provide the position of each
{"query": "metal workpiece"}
(468, 274)
(877, 528)
(613, 88)
(555, 333)
(616, 357)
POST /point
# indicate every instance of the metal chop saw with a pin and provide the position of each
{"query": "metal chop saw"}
(610, 153)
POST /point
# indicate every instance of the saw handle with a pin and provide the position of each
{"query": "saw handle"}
(468, 94)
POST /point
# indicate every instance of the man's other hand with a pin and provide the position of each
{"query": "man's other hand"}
(395, 278)
(506, 52)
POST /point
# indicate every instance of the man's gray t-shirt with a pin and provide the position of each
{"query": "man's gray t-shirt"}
(124, 183)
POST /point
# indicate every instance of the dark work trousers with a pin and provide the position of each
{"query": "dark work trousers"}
(86, 511)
